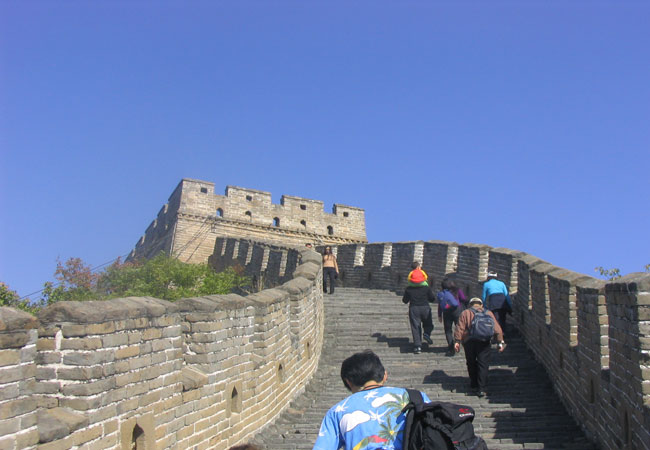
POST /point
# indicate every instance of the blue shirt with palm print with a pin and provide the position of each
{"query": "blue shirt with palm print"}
(366, 420)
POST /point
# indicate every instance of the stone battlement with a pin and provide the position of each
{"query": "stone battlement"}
(210, 372)
(188, 225)
(146, 373)
(592, 336)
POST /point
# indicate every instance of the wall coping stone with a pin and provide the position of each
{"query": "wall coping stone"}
(546, 268)
(297, 286)
(308, 270)
(446, 243)
(269, 296)
(532, 261)
(212, 303)
(98, 311)
(633, 282)
(14, 319)
(57, 423)
(312, 256)
(591, 283)
(472, 245)
(193, 378)
(508, 251)
(569, 276)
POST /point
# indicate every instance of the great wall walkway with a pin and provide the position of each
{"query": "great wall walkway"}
(521, 410)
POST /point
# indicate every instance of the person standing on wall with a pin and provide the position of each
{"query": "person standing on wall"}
(330, 269)
(496, 298)
(458, 293)
(475, 330)
(449, 309)
(418, 297)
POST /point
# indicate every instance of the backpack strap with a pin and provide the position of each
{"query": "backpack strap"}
(415, 396)
(415, 399)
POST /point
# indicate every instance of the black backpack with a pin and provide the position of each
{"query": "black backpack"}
(482, 326)
(439, 426)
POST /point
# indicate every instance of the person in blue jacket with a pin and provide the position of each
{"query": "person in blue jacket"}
(497, 299)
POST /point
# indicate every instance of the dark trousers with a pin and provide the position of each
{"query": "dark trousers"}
(420, 317)
(450, 317)
(500, 315)
(329, 273)
(477, 354)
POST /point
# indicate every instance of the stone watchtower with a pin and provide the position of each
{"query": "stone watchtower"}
(189, 224)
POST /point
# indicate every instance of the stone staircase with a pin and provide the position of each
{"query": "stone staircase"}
(521, 410)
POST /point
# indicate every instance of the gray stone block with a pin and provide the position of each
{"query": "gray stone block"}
(58, 423)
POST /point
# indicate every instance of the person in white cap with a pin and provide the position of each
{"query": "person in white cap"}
(496, 298)
(475, 330)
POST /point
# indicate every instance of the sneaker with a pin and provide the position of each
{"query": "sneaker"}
(427, 338)
(481, 394)
(417, 350)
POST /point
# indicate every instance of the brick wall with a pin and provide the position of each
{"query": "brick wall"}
(18, 406)
(592, 337)
(208, 372)
(199, 373)
(194, 217)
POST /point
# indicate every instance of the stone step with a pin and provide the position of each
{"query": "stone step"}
(520, 412)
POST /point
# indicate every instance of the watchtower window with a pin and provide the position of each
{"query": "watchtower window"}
(219, 212)
(276, 222)
(330, 230)
(303, 207)
(345, 214)
(280, 373)
(249, 198)
(248, 215)
(137, 438)
(235, 401)
(204, 190)
(303, 223)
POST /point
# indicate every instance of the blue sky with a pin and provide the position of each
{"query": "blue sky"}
(518, 124)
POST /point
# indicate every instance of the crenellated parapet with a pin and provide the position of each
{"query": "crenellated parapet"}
(592, 337)
(212, 371)
(139, 372)
(194, 217)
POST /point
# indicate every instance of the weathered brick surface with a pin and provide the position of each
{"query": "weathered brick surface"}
(520, 412)
(592, 342)
(108, 362)
(195, 210)
(119, 361)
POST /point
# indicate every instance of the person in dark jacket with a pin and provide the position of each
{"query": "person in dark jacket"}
(450, 313)
(420, 318)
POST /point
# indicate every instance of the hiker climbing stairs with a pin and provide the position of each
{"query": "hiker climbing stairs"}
(521, 410)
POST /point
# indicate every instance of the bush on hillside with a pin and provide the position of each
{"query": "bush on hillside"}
(162, 277)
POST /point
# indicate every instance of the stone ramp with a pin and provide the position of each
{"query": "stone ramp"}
(521, 410)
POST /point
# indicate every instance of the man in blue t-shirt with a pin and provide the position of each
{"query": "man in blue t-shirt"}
(370, 418)
(496, 298)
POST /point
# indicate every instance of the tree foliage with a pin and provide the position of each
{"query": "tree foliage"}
(11, 299)
(167, 278)
(76, 281)
(615, 273)
(162, 277)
